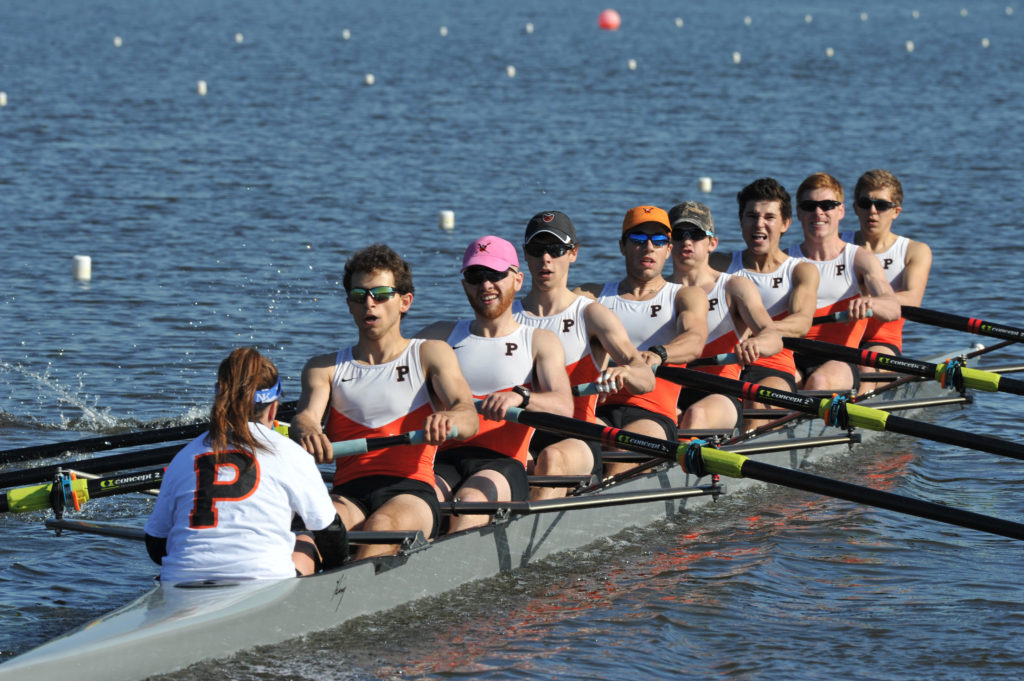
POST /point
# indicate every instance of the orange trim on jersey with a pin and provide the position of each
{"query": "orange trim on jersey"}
(662, 400)
(580, 372)
(781, 360)
(840, 333)
(415, 462)
(503, 437)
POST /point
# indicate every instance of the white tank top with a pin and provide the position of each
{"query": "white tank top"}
(648, 322)
(719, 320)
(493, 364)
(775, 287)
(838, 280)
(374, 395)
(568, 325)
(894, 260)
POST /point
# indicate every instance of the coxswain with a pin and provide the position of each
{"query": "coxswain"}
(227, 500)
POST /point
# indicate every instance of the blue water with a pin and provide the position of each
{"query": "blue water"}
(225, 220)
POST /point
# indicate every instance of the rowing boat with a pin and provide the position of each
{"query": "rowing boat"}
(173, 626)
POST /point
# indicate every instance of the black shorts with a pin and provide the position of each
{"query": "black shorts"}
(690, 396)
(542, 439)
(807, 365)
(456, 465)
(755, 374)
(616, 415)
(896, 351)
(373, 491)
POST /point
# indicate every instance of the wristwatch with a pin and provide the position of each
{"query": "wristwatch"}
(660, 351)
(523, 392)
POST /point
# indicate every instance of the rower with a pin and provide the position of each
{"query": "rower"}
(878, 201)
(788, 286)
(851, 280)
(589, 333)
(737, 320)
(227, 499)
(507, 365)
(385, 384)
(667, 322)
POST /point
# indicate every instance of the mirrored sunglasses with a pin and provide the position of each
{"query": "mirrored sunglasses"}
(640, 239)
(378, 293)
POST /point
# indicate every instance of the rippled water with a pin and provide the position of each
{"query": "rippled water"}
(224, 220)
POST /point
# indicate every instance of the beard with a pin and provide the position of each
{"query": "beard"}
(505, 299)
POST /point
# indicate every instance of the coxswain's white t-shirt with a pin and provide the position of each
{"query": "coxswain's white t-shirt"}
(230, 521)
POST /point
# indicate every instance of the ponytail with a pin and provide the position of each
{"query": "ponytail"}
(244, 372)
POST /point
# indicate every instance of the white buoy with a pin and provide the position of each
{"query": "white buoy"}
(444, 31)
(963, 12)
(631, 64)
(510, 71)
(239, 38)
(368, 79)
(446, 220)
(529, 27)
(736, 57)
(679, 22)
(117, 41)
(1009, 11)
(915, 14)
(201, 87)
(704, 185)
(910, 46)
(3, 99)
(81, 267)
(863, 16)
(345, 34)
(985, 42)
(808, 18)
(829, 52)
(747, 21)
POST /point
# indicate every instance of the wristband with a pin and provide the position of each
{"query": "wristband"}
(660, 351)
(523, 392)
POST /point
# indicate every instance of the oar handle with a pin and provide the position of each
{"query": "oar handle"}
(363, 445)
(841, 316)
(968, 324)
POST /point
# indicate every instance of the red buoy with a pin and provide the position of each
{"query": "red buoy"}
(609, 20)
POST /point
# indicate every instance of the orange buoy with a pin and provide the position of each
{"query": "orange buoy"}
(609, 20)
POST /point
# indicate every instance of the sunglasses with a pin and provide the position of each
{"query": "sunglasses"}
(537, 250)
(691, 233)
(881, 205)
(826, 205)
(475, 277)
(639, 239)
(378, 293)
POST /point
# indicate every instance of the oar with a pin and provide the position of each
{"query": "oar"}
(363, 445)
(583, 389)
(105, 442)
(100, 464)
(72, 491)
(841, 316)
(838, 412)
(968, 324)
(699, 461)
(949, 373)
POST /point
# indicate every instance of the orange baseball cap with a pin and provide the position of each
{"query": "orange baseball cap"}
(644, 214)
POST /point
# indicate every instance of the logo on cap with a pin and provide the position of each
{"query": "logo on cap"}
(547, 217)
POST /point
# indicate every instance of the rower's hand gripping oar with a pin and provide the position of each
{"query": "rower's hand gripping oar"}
(835, 317)
(699, 460)
(598, 387)
(968, 324)
(951, 373)
(839, 412)
(363, 445)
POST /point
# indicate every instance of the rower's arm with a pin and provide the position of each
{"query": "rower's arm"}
(450, 389)
(632, 371)
(306, 426)
(691, 328)
(757, 333)
(550, 391)
(915, 274)
(803, 302)
(875, 292)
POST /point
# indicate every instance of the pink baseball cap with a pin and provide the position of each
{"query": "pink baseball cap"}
(492, 252)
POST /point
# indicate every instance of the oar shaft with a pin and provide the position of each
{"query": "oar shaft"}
(363, 445)
(102, 464)
(968, 324)
(38, 497)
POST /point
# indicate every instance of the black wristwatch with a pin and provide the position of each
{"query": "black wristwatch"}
(660, 351)
(523, 392)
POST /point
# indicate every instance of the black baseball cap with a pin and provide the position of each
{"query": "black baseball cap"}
(554, 223)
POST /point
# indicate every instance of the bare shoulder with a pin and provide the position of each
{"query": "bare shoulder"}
(320, 363)
(806, 272)
(545, 342)
(436, 331)
(434, 352)
(741, 286)
(918, 249)
(591, 291)
(692, 296)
